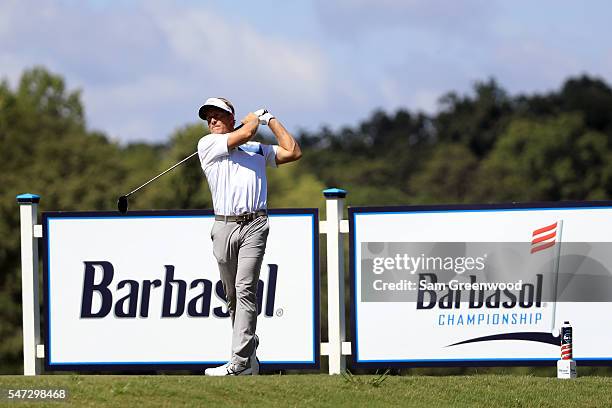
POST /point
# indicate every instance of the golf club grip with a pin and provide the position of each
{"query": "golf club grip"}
(176, 165)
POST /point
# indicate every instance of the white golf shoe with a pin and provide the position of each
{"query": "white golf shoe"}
(232, 369)
(228, 369)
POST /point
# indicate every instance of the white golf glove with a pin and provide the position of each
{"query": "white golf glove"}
(264, 116)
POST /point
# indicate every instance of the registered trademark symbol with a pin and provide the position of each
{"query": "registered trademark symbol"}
(279, 312)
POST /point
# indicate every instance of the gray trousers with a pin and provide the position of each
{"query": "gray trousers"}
(239, 250)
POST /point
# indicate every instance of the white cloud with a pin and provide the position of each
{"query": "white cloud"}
(129, 110)
(425, 100)
(144, 68)
(225, 51)
(133, 129)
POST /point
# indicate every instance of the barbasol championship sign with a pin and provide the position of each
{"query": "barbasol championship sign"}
(480, 285)
(142, 291)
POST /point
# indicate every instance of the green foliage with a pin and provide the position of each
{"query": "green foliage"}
(475, 122)
(375, 160)
(139, 160)
(548, 159)
(447, 177)
(45, 149)
(288, 186)
(481, 147)
(185, 186)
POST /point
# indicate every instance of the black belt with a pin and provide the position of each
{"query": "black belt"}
(242, 218)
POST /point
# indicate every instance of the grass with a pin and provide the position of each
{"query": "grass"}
(318, 390)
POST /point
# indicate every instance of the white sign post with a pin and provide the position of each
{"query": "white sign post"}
(334, 226)
(28, 208)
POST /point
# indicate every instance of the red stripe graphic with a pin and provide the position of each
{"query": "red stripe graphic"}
(545, 229)
(543, 238)
(542, 247)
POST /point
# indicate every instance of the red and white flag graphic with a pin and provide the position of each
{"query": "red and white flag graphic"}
(544, 238)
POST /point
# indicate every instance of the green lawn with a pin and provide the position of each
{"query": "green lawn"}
(318, 390)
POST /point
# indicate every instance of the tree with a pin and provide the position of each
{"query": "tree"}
(592, 97)
(290, 186)
(585, 95)
(184, 187)
(477, 121)
(447, 177)
(556, 158)
(45, 149)
(374, 160)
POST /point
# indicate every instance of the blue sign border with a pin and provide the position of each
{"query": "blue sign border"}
(181, 365)
(353, 212)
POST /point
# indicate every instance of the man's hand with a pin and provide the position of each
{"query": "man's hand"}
(264, 116)
(243, 134)
(250, 117)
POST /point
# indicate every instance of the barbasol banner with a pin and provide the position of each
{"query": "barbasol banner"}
(480, 285)
(142, 291)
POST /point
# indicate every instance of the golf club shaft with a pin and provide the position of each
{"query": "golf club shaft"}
(161, 174)
(177, 164)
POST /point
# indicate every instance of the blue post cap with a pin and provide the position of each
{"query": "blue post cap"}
(28, 198)
(334, 193)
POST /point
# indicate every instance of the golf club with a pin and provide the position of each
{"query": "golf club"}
(122, 202)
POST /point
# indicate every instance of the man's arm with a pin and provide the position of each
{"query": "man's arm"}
(244, 133)
(288, 148)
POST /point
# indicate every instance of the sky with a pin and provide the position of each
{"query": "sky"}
(145, 66)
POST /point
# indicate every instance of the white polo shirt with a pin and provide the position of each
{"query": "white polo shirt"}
(237, 179)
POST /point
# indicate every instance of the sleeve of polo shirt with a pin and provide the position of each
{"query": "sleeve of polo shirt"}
(212, 147)
(270, 154)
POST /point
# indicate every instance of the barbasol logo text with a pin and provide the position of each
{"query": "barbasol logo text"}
(178, 297)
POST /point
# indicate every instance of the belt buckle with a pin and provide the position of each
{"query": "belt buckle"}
(242, 219)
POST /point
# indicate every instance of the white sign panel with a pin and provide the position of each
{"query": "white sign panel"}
(143, 291)
(486, 285)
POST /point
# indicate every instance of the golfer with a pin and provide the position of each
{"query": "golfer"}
(235, 168)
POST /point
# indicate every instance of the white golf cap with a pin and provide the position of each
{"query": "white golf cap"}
(217, 103)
